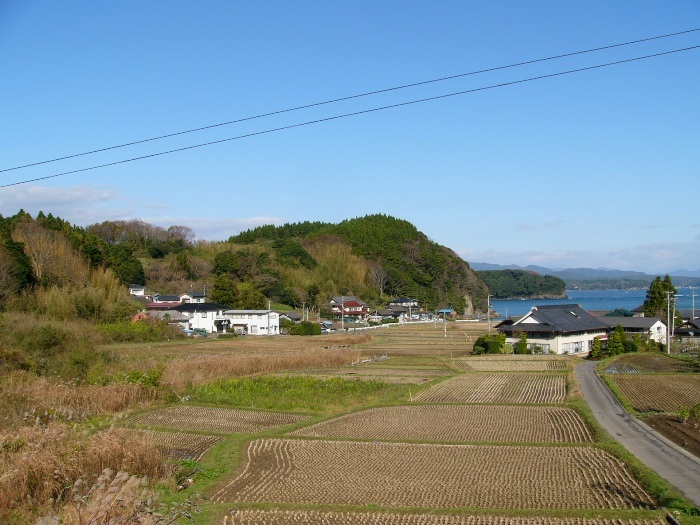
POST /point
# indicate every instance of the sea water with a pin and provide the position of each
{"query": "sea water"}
(595, 300)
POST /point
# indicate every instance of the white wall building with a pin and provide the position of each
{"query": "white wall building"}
(556, 329)
(253, 322)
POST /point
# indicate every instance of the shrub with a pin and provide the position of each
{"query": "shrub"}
(305, 328)
(490, 344)
(521, 346)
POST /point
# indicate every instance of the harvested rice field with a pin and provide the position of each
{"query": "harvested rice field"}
(650, 363)
(658, 392)
(533, 364)
(311, 517)
(433, 476)
(218, 420)
(498, 387)
(181, 445)
(457, 423)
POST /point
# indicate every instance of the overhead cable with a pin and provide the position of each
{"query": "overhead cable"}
(355, 113)
(351, 97)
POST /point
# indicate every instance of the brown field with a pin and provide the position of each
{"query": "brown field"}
(686, 434)
(311, 517)
(455, 423)
(511, 364)
(374, 372)
(500, 387)
(644, 363)
(180, 445)
(433, 476)
(210, 419)
(658, 393)
(425, 339)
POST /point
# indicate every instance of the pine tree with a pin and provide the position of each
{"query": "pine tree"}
(657, 297)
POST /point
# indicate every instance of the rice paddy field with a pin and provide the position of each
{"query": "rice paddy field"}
(449, 439)
(658, 387)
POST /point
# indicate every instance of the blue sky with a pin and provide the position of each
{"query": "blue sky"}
(594, 169)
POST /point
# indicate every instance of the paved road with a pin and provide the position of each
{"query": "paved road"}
(680, 468)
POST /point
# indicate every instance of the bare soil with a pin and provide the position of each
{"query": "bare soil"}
(687, 434)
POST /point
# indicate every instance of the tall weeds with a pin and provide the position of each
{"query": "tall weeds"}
(31, 400)
(40, 465)
(183, 373)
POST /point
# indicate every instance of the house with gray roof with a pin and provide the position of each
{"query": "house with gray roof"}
(556, 329)
(651, 327)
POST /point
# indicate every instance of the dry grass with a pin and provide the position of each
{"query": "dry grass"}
(182, 373)
(40, 464)
(31, 399)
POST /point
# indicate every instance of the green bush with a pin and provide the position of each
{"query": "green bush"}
(305, 328)
(490, 344)
(521, 346)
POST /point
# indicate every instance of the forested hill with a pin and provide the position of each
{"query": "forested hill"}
(399, 260)
(376, 258)
(520, 284)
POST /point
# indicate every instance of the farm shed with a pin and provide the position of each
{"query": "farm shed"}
(556, 329)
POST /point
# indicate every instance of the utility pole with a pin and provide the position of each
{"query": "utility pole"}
(692, 293)
(488, 311)
(342, 314)
(268, 318)
(668, 321)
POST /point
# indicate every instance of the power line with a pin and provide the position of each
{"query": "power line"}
(351, 97)
(355, 113)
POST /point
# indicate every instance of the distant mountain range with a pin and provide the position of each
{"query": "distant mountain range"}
(581, 276)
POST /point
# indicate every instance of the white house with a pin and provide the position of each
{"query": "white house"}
(651, 327)
(556, 329)
(137, 290)
(208, 316)
(252, 322)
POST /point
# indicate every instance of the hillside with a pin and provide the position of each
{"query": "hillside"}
(375, 257)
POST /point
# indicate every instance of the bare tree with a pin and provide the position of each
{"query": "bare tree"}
(53, 260)
(379, 275)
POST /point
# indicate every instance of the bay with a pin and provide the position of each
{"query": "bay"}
(594, 300)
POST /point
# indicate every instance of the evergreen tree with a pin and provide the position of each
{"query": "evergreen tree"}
(597, 349)
(616, 343)
(250, 298)
(656, 302)
(224, 292)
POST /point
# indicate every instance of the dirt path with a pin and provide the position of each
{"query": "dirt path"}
(671, 462)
